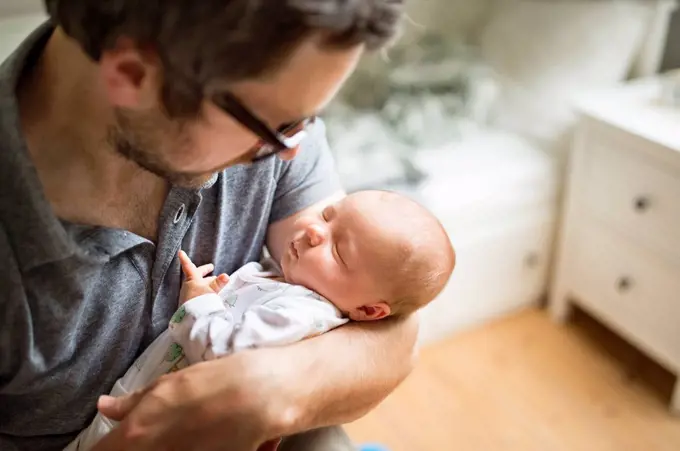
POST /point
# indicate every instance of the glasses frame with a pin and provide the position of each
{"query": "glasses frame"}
(272, 141)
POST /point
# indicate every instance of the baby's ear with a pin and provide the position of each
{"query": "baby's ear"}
(371, 312)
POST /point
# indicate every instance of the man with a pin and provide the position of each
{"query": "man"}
(130, 129)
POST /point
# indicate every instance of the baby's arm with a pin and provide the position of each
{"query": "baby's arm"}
(205, 327)
(202, 326)
(285, 320)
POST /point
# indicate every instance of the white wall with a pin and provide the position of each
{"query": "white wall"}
(460, 19)
(19, 7)
(14, 29)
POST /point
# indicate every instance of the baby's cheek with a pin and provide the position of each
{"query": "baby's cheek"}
(313, 268)
(314, 273)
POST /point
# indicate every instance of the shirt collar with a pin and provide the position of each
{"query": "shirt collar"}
(34, 231)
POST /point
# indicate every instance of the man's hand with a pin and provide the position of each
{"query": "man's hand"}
(196, 283)
(243, 401)
(226, 405)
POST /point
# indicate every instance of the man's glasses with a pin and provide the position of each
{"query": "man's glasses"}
(286, 137)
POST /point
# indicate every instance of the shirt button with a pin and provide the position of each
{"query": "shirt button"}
(180, 214)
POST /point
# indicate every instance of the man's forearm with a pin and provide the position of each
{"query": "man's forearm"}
(339, 376)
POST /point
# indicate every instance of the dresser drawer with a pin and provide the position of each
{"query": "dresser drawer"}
(633, 194)
(629, 288)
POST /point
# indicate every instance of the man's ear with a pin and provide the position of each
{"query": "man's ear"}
(131, 75)
(371, 312)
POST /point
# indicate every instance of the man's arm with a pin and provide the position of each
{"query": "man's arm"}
(339, 376)
(238, 403)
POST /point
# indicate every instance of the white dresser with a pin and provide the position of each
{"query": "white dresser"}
(619, 248)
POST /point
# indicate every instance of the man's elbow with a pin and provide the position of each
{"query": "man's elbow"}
(408, 364)
(413, 360)
(406, 367)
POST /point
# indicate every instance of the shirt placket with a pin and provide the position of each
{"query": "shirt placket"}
(176, 218)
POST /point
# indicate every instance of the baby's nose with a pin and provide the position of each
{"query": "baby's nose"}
(316, 234)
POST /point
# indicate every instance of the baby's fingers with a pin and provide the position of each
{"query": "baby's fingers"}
(191, 272)
(206, 269)
(219, 282)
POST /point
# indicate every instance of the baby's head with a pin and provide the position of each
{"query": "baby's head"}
(373, 254)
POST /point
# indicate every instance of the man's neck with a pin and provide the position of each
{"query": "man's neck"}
(65, 119)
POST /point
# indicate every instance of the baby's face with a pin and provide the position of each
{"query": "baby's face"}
(331, 254)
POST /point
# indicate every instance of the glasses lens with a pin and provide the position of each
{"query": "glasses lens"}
(290, 130)
(290, 134)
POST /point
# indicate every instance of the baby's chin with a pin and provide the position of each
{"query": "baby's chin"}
(290, 275)
(286, 269)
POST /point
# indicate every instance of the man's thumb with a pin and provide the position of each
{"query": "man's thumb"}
(118, 408)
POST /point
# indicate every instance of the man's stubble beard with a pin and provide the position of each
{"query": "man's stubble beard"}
(137, 139)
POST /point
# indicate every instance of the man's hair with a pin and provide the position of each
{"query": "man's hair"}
(203, 41)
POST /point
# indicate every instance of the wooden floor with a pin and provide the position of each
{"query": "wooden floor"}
(524, 383)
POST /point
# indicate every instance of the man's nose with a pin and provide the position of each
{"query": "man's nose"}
(316, 234)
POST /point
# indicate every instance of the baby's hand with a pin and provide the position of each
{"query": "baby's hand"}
(196, 283)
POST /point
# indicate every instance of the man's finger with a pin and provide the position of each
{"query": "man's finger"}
(190, 270)
(118, 408)
(206, 269)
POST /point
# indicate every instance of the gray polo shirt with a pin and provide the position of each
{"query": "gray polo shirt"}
(78, 303)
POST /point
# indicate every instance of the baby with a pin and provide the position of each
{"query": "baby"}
(371, 255)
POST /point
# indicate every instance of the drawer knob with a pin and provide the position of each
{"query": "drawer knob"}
(641, 204)
(624, 284)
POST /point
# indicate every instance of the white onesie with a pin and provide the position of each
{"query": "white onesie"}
(253, 310)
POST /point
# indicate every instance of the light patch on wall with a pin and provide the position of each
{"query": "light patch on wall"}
(14, 29)
(19, 7)
(458, 19)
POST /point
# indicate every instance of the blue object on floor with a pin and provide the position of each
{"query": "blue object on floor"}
(372, 447)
